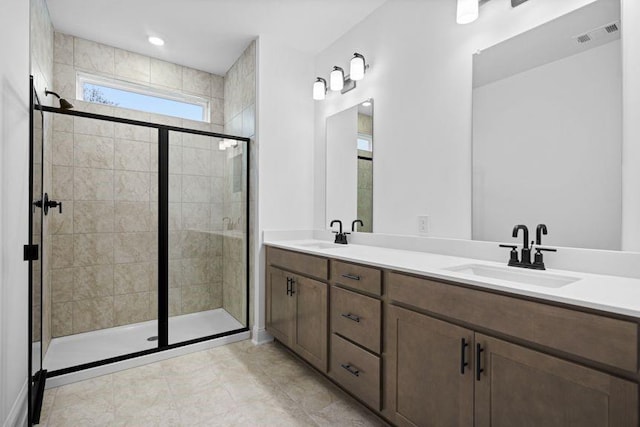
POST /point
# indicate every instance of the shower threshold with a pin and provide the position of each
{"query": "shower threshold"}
(88, 347)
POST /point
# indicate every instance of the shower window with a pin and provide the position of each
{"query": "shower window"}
(117, 93)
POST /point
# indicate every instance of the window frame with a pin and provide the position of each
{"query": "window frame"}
(82, 78)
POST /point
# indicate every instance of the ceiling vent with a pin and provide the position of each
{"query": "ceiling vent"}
(598, 33)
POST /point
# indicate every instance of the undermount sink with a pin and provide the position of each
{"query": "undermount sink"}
(321, 245)
(515, 275)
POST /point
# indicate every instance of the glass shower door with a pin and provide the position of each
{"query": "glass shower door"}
(207, 236)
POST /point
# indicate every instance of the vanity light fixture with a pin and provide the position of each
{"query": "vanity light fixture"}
(336, 79)
(357, 67)
(467, 11)
(366, 103)
(319, 89)
(156, 41)
(338, 82)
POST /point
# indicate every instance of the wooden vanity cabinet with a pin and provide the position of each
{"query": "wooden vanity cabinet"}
(356, 319)
(520, 386)
(297, 306)
(434, 378)
(429, 370)
(425, 352)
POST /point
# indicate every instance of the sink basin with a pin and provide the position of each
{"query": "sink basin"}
(515, 275)
(321, 245)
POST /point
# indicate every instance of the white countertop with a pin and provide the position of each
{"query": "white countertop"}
(612, 294)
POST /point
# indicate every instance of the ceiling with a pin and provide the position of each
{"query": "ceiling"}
(208, 35)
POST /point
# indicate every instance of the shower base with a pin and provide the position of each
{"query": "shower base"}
(87, 347)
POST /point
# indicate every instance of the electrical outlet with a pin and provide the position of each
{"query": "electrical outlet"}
(423, 224)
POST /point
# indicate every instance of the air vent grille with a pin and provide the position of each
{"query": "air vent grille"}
(602, 32)
(583, 38)
(612, 28)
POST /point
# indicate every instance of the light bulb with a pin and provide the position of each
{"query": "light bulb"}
(467, 11)
(336, 79)
(157, 41)
(319, 89)
(356, 71)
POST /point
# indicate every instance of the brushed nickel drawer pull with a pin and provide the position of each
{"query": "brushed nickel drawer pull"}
(351, 370)
(351, 317)
(351, 276)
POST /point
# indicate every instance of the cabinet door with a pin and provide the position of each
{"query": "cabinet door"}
(280, 305)
(311, 315)
(522, 387)
(425, 382)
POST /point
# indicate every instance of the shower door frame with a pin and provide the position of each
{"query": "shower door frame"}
(33, 252)
(163, 234)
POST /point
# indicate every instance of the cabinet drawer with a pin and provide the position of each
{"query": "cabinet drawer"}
(302, 263)
(602, 339)
(355, 276)
(356, 317)
(356, 370)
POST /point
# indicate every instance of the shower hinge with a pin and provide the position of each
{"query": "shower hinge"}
(30, 252)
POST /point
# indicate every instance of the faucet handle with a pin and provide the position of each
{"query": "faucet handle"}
(540, 248)
(513, 255)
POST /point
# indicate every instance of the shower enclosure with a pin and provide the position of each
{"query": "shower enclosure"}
(145, 234)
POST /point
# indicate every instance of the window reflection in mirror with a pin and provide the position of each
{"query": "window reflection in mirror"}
(349, 144)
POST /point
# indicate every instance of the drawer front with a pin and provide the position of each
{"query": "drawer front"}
(356, 317)
(302, 263)
(602, 339)
(355, 276)
(356, 370)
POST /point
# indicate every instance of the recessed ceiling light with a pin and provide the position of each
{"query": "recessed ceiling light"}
(156, 41)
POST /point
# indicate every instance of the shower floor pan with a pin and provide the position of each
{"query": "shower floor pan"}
(87, 347)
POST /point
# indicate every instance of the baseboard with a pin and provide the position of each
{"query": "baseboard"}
(18, 414)
(260, 336)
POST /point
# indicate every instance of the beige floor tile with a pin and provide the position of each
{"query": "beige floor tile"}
(234, 385)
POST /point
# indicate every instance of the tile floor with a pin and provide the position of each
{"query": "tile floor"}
(235, 385)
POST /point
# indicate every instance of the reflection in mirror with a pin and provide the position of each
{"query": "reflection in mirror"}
(547, 131)
(349, 144)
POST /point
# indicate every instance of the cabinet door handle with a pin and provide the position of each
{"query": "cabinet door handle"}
(463, 355)
(351, 369)
(288, 285)
(351, 276)
(293, 289)
(479, 369)
(351, 317)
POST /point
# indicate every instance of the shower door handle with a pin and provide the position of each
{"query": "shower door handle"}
(46, 204)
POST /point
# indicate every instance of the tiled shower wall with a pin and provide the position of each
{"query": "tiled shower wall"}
(365, 177)
(42, 71)
(239, 118)
(104, 244)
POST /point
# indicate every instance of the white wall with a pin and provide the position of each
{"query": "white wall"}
(285, 149)
(630, 125)
(14, 167)
(547, 148)
(420, 78)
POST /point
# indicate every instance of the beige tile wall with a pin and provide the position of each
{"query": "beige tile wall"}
(104, 245)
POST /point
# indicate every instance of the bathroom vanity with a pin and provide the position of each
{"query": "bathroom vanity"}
(422, 341)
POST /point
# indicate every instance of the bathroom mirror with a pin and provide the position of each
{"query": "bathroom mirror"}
(349, 145)
(547, 131)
